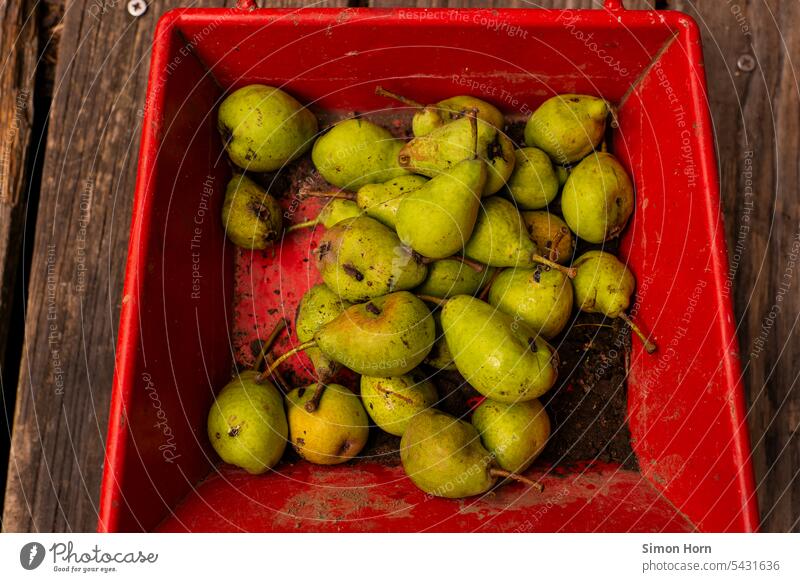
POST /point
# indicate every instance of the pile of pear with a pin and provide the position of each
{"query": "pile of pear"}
(439, 252)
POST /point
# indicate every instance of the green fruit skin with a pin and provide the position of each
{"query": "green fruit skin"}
(265, 128)
(504, 360)
(562, 173)
(440, 357)
(597, 200)
(251, 217)
(603, 284)
(500, 238)
(247, 424)
(437, 219)
(360, 258)
(501, 165)
(337, 210)
(435, 116)
(567, 127)
(544, 228)
(443, 456)
(426, 120)
(448, 277)
(381, 201)
(534, 183)
(335, 432)
(388, 336)
(541, 297)
(318, 306)
(393, 402)
(515, 434)
(357, 152)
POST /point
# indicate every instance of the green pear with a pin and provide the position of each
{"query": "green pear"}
(334, 211)
(444, 457)
(437, 219)
(356, 152)
(251, 217)
(442, 149)
(562, 173)
(534, 183)
(387, 336)
(448, 277)
(335, 432)
(360, 258)
(540, 297)
(502, 358)
(500, 239)
(381, 201)
(318, 306)
(247, 424)
(393, 402)
(264, 128)
(597, 200)
(514, 434)
(603, 284)
(551, 235)
(567, 127)
(440, 357)
(431, 117)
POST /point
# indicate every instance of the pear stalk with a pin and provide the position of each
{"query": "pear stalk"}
(333, 193)
(435, 300)
(286, 356)
(488, 287)
(503, 474)
(649, 346)
(313, 404)
(397, 97)
(279, 327)
(302, 225)
(568, 271)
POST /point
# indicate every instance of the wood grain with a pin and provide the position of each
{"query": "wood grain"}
(60, 421)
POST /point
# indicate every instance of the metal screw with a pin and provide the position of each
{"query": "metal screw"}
(137, 7)
(746, 63)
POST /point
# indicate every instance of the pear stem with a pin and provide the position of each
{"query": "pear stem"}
(473, 123)
(488, 287)
(265, 347)
(302, 225)
(431, 299)
(649, 346)
(332, 193)
(286, 356)
(313, 403)
(501, 473)
(397, 97)
(568, 271)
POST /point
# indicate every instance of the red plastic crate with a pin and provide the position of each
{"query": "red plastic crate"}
(180, 332)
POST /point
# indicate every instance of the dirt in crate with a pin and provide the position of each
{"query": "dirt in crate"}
(587, 406)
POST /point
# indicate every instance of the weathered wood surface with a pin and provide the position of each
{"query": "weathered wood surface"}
(86, 192)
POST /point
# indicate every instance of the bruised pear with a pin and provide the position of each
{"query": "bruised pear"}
(356, 152)
(514, 434)
(381, 201)
(597, 200)
(251, 217)
(500, 239)
(393, 402)
(603, 284)
(540, 297)
(551, 235)
(501, 358)
(448, 277)
(264, 128)
(334, 432)
(443, 456)
(567, 127)
(534, 183)
(318, 306)
(247, 424)
(360, 258)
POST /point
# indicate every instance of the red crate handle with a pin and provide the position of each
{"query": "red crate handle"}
(610, 5)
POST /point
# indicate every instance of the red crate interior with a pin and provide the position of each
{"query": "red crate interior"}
(180, 332)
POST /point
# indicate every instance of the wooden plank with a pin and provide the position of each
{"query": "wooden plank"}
(19, 47)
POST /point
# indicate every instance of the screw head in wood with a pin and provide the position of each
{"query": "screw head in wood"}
(137, 7)
(746, 63)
